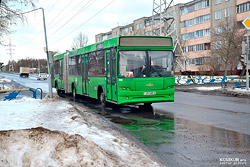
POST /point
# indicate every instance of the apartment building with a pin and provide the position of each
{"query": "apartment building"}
(194, 23)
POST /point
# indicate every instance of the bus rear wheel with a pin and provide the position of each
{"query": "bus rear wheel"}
(57, 90)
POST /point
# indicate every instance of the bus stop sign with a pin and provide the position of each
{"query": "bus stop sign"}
(246, 23)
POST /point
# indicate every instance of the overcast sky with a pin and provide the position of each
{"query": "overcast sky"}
(65, 19)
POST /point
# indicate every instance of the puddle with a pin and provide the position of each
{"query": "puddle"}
(121, 120)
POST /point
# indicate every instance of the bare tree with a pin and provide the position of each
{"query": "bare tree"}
(226, 44)
(29, 62)
(212, 64)
(80, 41)
(9, 15)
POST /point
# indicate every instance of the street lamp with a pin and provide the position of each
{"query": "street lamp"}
(46, 49)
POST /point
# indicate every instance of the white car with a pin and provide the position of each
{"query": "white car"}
(42, 76)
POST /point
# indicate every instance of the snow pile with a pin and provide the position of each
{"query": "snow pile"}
(52, 133)
(42, 147)
(4, 80)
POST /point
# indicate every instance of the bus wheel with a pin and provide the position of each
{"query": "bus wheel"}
(148, 106)
(74, 92)
(102, 98)
(57, 90)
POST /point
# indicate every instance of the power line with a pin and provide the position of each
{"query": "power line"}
(52, 6)
(40, 20)
(87, 20)
(54, 23)
(83, 8)
(36, 25)
(61, 19)
(80, 10)
(81, 24)
(52, 20)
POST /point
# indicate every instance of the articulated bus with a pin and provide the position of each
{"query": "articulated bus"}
(121, 70)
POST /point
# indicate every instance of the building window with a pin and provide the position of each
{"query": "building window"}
(218, 30)
(227, 12)
(200, 47)
(218, 44)
(196, 34)
(228, 27)
(137, 26)
(218, 15)
(218, 1)
(127, 30)
(196, 20)
(243, 7)
(194, 7)
(196, 61)
(196, 48)
(148, 23)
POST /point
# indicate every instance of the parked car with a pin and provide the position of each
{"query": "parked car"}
(42, 76)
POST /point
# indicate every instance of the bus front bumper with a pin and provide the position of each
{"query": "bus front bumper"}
(133, 97)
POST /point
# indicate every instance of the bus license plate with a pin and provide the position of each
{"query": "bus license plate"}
(149, 93)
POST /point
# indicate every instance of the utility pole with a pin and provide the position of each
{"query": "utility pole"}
(10, 52)
(246, 23)
(38, 67)
(164, 23)
(46, 50)
(247, 73)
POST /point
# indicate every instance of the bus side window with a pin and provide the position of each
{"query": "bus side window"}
(56, 67)
(92, 62)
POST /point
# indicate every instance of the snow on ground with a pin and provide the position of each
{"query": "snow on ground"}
(208, 88)
(50, 132)
(229, 89)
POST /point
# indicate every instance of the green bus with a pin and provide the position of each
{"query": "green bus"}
(120, 70)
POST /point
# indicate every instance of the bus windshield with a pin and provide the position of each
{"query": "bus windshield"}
(145, 63)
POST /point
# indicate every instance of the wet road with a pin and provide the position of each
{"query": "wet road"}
(195, 130)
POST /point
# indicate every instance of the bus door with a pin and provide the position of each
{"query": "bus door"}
(60, 74)
(111, 75)
(66, 72)
(85, 79)
(108, 75)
